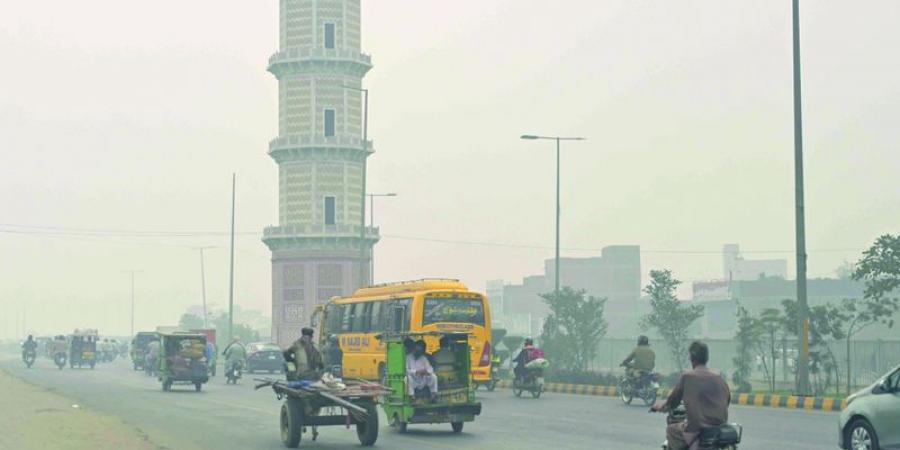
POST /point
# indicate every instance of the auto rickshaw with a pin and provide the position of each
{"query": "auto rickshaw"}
(139, 347)
(182, 360)
(83, 348)
(454, 401)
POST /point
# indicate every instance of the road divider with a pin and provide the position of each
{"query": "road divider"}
(763, 400)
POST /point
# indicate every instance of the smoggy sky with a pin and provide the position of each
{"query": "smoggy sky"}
(131, 116)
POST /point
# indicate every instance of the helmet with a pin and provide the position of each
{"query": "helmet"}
(529, 341)
(643, 340)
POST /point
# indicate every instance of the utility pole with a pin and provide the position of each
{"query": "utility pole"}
(203, 285)
(800, 219)
(372, 224)
(132, 272)
(558, 209)
(231, 268)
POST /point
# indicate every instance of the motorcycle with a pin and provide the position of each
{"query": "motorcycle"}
(723, 437)
(28, 357)
(491, 384)
(644, 387)
(59, 359)
(532, 380)
(233, 373)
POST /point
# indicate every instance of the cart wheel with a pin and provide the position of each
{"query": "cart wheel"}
(291, 423)
(367, 431)
(537, 393)
(398, 424)
(457, 426)
(198, 386)
(517, 392)
(166, 385)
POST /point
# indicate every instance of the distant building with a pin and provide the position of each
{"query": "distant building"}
(736, 267)
(614, 275)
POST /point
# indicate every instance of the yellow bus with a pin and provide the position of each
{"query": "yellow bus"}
(421, 305)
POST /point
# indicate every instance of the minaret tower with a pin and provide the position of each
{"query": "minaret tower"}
(319, 248)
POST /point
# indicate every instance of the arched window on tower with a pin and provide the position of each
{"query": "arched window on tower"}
(329, 123)
(329, 210)
(329, 35)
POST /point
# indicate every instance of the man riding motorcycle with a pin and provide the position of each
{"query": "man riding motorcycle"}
(29, 347)
(705, 396)
(529, 353)
(640, 362)
(235, 355)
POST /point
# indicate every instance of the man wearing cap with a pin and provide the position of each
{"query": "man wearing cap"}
(306, 357)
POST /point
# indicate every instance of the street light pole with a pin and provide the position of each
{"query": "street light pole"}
(372, 224)
(132, 272)
(231, 268)
(203, 284)
(800, 219)
(558, 209)
(362, 210)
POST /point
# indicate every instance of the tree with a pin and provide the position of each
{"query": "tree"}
(574, 327)
(190, 322)
(770, 322)
(824, 326)
(244, 331)
(879, 268)
(747, 335)
(670, 317)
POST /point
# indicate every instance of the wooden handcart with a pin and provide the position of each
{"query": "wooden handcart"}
(307, 408)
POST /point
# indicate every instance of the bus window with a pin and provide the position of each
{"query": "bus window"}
(376, 324)
(361, 312)
(453, 310)
(346, 316)
(333, 318)
(398, 314)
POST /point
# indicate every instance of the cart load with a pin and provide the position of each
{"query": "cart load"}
(182, 360)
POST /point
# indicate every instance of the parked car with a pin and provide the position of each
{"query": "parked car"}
(870, 420)
(262, 356)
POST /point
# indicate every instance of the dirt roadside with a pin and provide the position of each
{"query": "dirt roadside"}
(32, 418)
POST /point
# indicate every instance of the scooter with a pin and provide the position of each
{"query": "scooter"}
(723, 437)
(233, 373)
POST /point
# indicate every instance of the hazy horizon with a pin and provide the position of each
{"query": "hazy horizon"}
(126, 121)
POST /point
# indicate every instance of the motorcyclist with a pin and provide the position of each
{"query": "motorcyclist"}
(640, 362)
(306, 357)
(211, 359)
(705, 396)
(529, 353)
(29, 346)
(151, 357)
(235, 353)
(59, 345)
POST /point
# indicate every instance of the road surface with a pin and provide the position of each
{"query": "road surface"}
(226, 417)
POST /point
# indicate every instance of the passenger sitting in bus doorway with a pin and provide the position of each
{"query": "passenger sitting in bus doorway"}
(445, 362)
(420, 378)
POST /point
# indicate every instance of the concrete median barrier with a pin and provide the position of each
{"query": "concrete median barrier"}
(762, 400)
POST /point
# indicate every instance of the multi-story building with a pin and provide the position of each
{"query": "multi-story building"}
(614, 275)
(736, 267)
(320, 247)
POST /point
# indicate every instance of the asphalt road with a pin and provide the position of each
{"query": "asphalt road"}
(226, 417)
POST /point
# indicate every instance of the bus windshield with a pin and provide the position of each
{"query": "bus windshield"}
(453, 310)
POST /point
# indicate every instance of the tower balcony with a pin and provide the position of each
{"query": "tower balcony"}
(301, 60)
(293, 146)
(318, 235)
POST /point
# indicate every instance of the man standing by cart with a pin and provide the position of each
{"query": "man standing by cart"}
(306, 357)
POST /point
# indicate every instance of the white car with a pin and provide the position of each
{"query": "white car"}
(871, 420)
